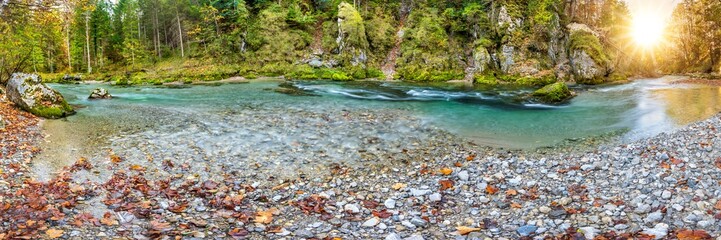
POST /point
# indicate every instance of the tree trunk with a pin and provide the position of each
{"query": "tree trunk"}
(67, 42)
(87, 39)
(180, 34)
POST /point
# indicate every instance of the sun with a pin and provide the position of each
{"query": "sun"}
(647, 29)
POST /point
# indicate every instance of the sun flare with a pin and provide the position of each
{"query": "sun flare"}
(647, 29)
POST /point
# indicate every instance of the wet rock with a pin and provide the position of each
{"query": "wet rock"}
(29, 93)
(100, 93)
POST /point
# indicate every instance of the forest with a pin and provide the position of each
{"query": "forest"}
(529, 42)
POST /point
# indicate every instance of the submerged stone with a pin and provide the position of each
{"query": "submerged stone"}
(29, 93)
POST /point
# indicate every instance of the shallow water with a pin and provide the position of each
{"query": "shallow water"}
(495, 117)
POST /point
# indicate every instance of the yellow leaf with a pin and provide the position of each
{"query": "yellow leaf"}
(399, 186)
(137, 168)
(265, 217)
(54, 233)
(446, 171)
(466, 230)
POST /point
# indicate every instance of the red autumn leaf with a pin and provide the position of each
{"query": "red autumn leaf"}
(238, 232)
(382, 214)
(446, 184)
(686, 234)
(490, 189)
(160, 226)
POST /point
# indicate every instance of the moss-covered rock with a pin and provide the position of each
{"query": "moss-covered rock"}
(587, 56)
(352, 40)
(29, 93)
(553, 93)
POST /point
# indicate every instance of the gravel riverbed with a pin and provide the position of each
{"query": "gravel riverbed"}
(364, 175)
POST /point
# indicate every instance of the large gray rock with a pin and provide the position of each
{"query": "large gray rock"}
(100, 93)
(29, 93)
(587, 58)
(585, 69)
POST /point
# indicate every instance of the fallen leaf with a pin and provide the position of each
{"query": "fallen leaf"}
(676, 161)
(446, 184)
(491, 189)
(511, 192)
(54, 233)
(665, 165)
(238, 232)
(718, 205)
(399, 186)
(446, 171)
(462, 230)
(515, 205)
(137, 168)
(160, 226)
(382, 214)
(718, 162)
(686, 234)
(115, 158)
(264, 217)
(109, 219)
(470, 158)
(281, 186)
(458, 164)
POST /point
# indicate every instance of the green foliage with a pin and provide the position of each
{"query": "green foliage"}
(485, 79)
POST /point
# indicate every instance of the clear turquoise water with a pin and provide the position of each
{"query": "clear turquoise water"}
(495, 117)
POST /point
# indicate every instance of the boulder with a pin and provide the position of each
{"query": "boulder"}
(588, 60)
(553, 93)
(30, 94)
(100, 93)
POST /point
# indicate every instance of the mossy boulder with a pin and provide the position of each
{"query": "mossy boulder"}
(29, 93)
(553, 93)
(352, 41)
(588, 59)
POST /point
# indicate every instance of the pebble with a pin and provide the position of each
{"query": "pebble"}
(354, 208)
(527, 230)
(303, 233)
(435, 197)
(463, 175)
(390, 203)
(371, 222)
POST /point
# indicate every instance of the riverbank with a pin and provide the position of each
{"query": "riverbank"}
(427, 185)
